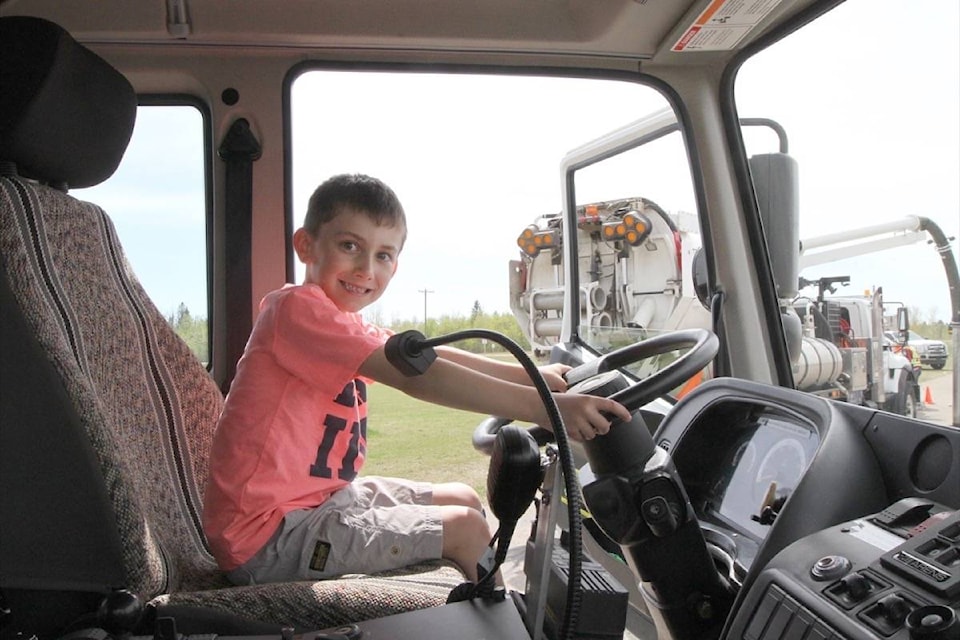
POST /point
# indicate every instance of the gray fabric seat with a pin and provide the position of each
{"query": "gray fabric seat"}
(107, 417)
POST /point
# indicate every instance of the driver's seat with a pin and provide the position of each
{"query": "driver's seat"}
(107, 417)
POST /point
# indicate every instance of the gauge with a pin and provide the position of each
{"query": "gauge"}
(781, 467)
(745, 456)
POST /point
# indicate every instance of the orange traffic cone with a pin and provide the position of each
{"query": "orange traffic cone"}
(928, 397)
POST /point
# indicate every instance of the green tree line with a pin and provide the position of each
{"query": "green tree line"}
(938, 330)
(929, 327)
(194, 330)
(501, 322)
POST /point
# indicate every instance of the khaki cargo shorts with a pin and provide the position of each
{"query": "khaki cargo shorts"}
(373, 524)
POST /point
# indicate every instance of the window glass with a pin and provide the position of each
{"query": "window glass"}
(873, 122)
(157, 202)
(476, 161)
(637, 231)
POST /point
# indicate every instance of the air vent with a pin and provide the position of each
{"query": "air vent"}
(780, 616)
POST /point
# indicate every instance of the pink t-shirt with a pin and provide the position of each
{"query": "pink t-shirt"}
(293, 429)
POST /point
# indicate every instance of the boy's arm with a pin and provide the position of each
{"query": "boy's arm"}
(453, 385)
(509, 371)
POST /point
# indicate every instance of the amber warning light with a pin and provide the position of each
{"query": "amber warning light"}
(633, 227)
(532, 240)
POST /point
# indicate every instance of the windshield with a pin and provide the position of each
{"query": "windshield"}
(475, 160)
(873, 149)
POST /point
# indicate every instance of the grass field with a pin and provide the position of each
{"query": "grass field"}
(931, 373)
(412, 439)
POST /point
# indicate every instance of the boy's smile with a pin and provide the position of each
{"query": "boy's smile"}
(351, 258)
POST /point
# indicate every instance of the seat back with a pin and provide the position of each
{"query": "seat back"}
(107, 415)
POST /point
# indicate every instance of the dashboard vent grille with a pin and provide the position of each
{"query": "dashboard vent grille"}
(780, 616)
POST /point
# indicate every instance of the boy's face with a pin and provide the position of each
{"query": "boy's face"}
(351, 258)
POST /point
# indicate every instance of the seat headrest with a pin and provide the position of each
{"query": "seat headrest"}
(66, 115)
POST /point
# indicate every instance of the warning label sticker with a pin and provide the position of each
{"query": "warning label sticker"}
(723, 23)
(874, 535)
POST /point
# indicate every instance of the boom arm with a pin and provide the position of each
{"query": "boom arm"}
(857, 242)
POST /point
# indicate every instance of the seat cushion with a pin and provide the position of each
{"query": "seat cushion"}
(329, 603)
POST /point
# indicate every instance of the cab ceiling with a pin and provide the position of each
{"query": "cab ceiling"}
(632, 29)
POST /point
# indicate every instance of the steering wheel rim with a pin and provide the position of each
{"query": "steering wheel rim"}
(703, 348)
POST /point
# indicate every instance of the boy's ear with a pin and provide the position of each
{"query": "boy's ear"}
(303, 245)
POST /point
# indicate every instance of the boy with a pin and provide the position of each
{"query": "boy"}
(284, 500)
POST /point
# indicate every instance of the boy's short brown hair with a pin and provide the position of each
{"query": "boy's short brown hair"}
(355, 191)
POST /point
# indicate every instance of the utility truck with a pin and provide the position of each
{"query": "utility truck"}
(843, 353)
(641, 270)
(639, 258)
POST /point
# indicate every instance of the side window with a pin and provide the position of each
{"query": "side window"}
(876, 140)
(157, 201)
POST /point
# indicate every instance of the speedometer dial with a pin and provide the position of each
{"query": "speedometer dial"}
(781, 467)
(745, 456)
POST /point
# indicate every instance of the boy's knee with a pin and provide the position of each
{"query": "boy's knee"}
(471, 498)
(465, 526)
(465, 537)
(457, 493)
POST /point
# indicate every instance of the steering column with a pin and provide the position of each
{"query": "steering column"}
(639, 500)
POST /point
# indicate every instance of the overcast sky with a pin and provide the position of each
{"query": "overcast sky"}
(876, 134)
(475, 160)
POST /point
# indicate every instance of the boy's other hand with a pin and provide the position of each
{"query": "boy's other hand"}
(553, 375)
(586, 417)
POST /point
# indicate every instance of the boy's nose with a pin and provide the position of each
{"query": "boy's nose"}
(364, 265)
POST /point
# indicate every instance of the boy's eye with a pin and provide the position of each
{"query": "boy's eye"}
(386, 257)
(349, 245)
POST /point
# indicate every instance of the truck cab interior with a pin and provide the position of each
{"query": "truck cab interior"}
(736, 507)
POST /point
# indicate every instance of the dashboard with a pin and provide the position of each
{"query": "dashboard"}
(741, 457)
(785, 484)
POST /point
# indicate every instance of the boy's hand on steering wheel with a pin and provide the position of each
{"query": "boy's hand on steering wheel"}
(586, 417)
(553, 375)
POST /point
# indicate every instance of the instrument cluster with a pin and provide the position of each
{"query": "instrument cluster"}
(741, 462)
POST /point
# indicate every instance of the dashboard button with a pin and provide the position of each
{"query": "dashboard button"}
(659, 516)
(830, 568)
(895, 608)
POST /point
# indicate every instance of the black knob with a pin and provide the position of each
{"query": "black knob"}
(933, 622)
(119, 612)
(895, 608)
(659, 516)
(857, 586)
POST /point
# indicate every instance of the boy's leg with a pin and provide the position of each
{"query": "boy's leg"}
(456, 493)
(465, 537)
(466, 534)
(369, 526)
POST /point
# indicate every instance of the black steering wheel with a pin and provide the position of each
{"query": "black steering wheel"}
(703, 346)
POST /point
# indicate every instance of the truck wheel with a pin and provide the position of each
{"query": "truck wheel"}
(937, 365)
